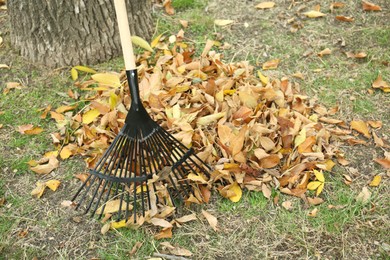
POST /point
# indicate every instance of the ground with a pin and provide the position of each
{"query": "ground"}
(254, 228)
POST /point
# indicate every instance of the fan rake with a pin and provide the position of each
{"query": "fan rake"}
(144, 165)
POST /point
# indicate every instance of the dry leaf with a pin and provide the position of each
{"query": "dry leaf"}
(38, 191)
(107, 79)
(91, 115)
(368, 6)
(112, 206)
(211, 219)
(186, 218)
(315, 201)
(381, 84)
(46, 168)
(361, 127)
(364, 196)
(265, 5)
(314, 14)
(164, 233)
(236, 190)
(385, 162)
(344, 18)
(359, 55)
(313, 213)
(141, 43)
(271, 64)
(105, 228)
(287, 205)
(220, 22)
(326, 51)
(168, 7)
(375, 182)
(53, 184)
(161, 222)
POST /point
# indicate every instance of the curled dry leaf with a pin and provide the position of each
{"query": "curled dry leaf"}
(344, 18)
(186, 218)
(359, 55)
(168, 7)
(164, 233)
(211, 219)
(313, 213)
(315, 201)
(161, 222)
(368, 6)
(324, 52)
(381, 84)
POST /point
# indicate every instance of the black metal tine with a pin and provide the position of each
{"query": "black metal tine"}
(135, 174)
(91, 183)
(105, 199)
(82, 187)
(182, 146)
(167, 153)
(94, 194)
(102, 160)
(143, 172)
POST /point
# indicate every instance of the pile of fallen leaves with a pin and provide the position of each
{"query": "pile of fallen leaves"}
(257, 133)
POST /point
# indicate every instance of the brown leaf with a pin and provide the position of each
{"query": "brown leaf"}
(211, 219)
(52, 164)
(270, 161)
(168, 7)
(164, 233)
(368, 6)
(34, 131)
(39, 190)
(266, 191)
(23, 128)
(381, 84)
(186, 218)
(385, 162)
(344, 18)
(313, 213)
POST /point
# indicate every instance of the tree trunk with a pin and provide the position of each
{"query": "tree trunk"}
(73, 32)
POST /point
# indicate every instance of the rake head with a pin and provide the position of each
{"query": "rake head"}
(143, 167)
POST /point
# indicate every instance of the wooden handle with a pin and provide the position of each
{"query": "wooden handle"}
(124, 33)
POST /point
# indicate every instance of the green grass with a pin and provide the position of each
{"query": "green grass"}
(180, 5)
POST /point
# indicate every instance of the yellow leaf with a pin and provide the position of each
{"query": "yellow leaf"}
(141, 43)
(329, 165)
(375, 182)
(38, 191)
(314, 14)
(314, 185)
(107, 79)
(53, 184)
(271, 64)
(63, 109)
(113, 100)
(74, 73)
(313, 213)
(300, 138)
(112, 206)
(196, 178)
(361, 127)
(65, 153)
(237, 191)
(265, 5)
(263, 78)
(326, 51)
(85, 69)
(155, 41)
(89, 116)
(119, 224)
(320, 188)
(319, 175)
(34, 131)
(140, 188)
(220, 22)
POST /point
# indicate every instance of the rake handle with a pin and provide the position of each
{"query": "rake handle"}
(124, 33)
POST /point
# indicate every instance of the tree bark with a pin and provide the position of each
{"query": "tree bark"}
(73, 32)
